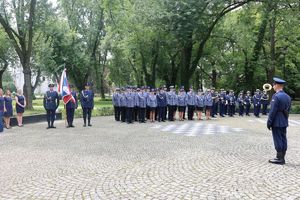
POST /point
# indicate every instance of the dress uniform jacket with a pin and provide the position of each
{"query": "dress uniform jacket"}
(280, 106)
(51, 100)
(87, 99)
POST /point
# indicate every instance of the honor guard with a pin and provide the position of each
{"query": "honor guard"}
(51, 103)
(191, 101)
(278, 120)
(241, 102)
(248, 103)
(70, 107)
(161, 104)
(257, 103)
(265, 102)
(116, 100)
(87, 104)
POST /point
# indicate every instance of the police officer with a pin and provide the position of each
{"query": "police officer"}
(51, 103)
(247, 103)
(214, 97)
(222, 102)
(116, 100)
(265, 102)
(123, 105)
(161, 104)
(191, 101)
(241, 102)
(278, 120)
(87, 104)
(171, 102)
(70, 108)
(257, 102)
(230, 103)
(130, 104)
(142, 104)
(208, 102)
(199, 104)
(182, 99)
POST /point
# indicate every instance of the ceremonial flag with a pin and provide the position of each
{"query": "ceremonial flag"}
(64, 89)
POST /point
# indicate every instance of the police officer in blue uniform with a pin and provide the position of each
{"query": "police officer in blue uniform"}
(278, 120)
(161, 104)
(247, 103)
(123, 105)
(51, 103)
(142, 104)
(222, 102)
(257, 102)
(70, 108)
(191, 102)
(171, 102)
(130, 104)
(87, 104)
(265, 102)
(241, 102)
(117, 104)
(230, 98)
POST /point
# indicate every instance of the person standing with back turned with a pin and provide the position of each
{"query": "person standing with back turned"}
(278, 120)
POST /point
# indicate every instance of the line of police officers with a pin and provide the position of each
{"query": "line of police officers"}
(51, 103)
(136, 104)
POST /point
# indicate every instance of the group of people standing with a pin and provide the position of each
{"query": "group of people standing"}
(6, 108)
(138, 104)
(52, 99)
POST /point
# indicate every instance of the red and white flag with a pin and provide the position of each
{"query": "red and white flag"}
(64, 89)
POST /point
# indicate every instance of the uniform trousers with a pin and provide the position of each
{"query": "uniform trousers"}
(50, 116)
(117, 112)
(70, 115)
(87, 113)
(279, 138)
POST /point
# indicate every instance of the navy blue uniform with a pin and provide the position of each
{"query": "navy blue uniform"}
(241, 102)
(265, 103)
(70, 107)
(87, 104)
(222, 102)
(161, 104)
(117, 105)
(248, 104)
(278, 119)
(51, 103)
(257, 104)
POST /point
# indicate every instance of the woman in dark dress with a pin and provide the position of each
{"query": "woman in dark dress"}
(20, 105)
(2, 108)
(8, 109)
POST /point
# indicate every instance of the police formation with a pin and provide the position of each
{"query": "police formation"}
(51, 103)
(145, 104)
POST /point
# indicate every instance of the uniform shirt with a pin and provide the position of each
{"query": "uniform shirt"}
(72, 104)
(171, 98)
(241, 100)
(281, 103)
(122, 100)
(161, 100)
(230, 98)
(200, 101)
(136, 99)
(130, 99)
(222, 98)
(87, 99)
(51, 100)
(248, 100)
(256, 99)
(152, 101)
(208, 99)
(142, 99)
(116, 99)
(182, 99)
(191, 98)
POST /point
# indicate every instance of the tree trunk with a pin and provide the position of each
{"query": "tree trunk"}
(186, 56)
(27, 87)
(214, 78)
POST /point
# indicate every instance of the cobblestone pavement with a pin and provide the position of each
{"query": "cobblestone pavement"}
(148, 161)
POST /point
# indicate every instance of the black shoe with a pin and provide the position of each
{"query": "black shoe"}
(84, 125)
(48, 127)
(68, 126)
(72, 126)
(277, 161)
(89, 124)
(53, 126)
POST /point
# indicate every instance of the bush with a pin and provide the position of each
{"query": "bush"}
(295, 109)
